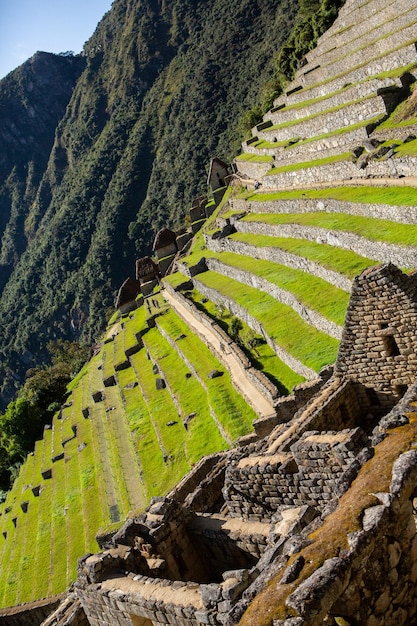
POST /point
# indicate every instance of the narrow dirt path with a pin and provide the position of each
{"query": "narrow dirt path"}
(242, 382)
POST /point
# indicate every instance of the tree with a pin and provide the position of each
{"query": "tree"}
(235, 327)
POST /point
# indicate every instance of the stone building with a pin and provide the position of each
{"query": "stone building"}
(378, 347)
(165, 247)
(165, 243)
(218, 170)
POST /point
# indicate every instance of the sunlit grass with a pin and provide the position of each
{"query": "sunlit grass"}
(338, 260)
(310, 346)
(370, 228)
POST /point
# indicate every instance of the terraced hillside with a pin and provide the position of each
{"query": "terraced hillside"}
(323, 189)
(138, 417)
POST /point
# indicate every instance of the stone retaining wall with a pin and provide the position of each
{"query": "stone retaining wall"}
(354, 92)
(377, 250)
(395, 40)
(400, 214)
(308, 315)
(390, 61)
(316, 149)
(356, 21)
(368, 34)
(342, 170)
(31, 613)
(264, 385)
(253, 323)
(346, 18)
(279, 256)
(328, 121)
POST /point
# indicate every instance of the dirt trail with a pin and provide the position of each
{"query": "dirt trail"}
(246, 387)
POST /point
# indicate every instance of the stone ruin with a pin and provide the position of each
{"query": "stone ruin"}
(313, 523)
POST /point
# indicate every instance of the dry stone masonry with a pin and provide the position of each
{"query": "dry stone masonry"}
(312, 518)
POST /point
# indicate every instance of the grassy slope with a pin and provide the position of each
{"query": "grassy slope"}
(122, 455)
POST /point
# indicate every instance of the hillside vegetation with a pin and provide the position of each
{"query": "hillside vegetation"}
(160, 89)
(272, 266)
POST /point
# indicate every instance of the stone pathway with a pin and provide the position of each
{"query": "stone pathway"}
(246, 387)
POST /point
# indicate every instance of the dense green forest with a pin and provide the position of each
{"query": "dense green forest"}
(160, 88)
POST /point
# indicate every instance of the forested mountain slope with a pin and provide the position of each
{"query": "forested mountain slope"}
(33, 99)
(163, 88)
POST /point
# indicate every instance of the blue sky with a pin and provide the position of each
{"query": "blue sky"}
(49, 25)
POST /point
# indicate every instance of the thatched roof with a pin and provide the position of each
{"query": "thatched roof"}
(163, 238)
(146, 267)
(127, 292)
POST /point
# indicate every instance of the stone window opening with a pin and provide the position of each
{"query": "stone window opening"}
(390, 344)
